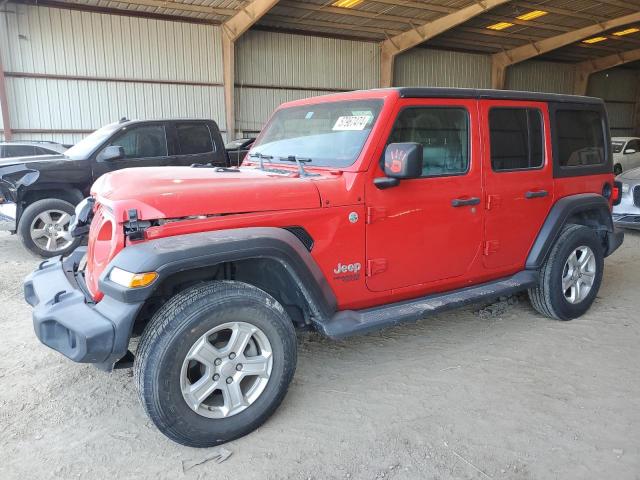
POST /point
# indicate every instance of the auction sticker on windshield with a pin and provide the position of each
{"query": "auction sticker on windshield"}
(352, 122)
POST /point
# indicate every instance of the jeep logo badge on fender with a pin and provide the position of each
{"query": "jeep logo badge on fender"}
(353, 217)
(351, 268)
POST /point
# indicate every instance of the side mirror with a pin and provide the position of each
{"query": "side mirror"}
(401, 161)
(629, 151)
(112, 152)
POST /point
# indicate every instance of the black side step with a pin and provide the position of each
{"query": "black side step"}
(352, 322)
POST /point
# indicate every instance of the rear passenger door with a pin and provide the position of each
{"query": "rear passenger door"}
(518, 179)
(193, 144)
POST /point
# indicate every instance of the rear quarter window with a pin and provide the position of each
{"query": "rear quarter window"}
(581, 142)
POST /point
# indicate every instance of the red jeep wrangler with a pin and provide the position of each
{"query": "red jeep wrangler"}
(354, 212)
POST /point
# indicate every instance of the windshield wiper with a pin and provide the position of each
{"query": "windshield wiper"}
(261, 157)
(300, 161)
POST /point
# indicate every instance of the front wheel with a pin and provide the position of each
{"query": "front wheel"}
(617, 169)
(571, 276)
(215, 362)
(44, 228)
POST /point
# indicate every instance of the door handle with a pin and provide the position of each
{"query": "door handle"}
(464, 202)
(536, 194)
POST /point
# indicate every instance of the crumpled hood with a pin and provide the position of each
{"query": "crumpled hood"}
(175, 192)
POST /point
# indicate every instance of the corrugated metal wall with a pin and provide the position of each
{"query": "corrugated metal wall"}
(439, 68)
(537, 76)
(272, 68)
(619, 89)
(75, 71)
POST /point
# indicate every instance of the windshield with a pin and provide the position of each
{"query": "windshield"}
(87, 145)
(617, 146)
(326, 134)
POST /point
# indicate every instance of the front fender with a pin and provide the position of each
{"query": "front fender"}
(170, 255)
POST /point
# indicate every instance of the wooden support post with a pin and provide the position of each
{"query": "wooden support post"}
(387, 62)
(4, 104)
(498, 75)
(581, 81)
(228, 81)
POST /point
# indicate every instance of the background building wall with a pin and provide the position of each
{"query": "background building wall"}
(619, 88)
(272, 68)
(538, 76)
(69, 72)
(438, 68)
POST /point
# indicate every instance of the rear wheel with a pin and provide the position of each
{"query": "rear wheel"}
(215, 362)
(571, 276)
(44, 228)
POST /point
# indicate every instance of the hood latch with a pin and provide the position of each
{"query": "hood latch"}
(134, 228)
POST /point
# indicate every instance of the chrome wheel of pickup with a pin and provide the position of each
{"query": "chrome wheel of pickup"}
(578, 274)
(226, 370)
(49, 230)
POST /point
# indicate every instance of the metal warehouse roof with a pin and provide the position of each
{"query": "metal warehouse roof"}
(378, 20)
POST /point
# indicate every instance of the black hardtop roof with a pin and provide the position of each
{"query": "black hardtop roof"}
(480, 93)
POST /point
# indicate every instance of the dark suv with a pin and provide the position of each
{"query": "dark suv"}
(38, 194)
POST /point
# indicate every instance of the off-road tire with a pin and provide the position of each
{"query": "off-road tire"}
(27, 218)
(548, 298)
(173, 330)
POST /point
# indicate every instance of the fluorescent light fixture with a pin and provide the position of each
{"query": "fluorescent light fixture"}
(500, 26)
(626, 32)
(347, 3)
(594, 40)
(531, 15)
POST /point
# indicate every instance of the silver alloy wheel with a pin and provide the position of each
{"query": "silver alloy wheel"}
(50, 230)
(226, 370)
(578, 274)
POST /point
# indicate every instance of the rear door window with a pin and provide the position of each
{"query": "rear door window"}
(516, 139)
(193, 138)
(580, 138)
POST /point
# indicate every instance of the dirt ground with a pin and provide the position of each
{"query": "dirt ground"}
(498, 393)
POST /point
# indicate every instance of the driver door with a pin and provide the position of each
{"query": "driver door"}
(428, 230)
(144, 146)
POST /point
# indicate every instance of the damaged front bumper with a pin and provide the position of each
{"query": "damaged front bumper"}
(627, 220)
(66, 319)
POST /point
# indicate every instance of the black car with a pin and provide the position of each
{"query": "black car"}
(38, 194)
(238, 149)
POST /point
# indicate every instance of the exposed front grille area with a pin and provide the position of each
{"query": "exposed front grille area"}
(636, 195)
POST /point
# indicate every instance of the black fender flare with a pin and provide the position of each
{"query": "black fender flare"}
(564, 209)
(171, 255)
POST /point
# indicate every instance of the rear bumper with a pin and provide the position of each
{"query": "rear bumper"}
(627, 220)
(8, 213)
(66, 319)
